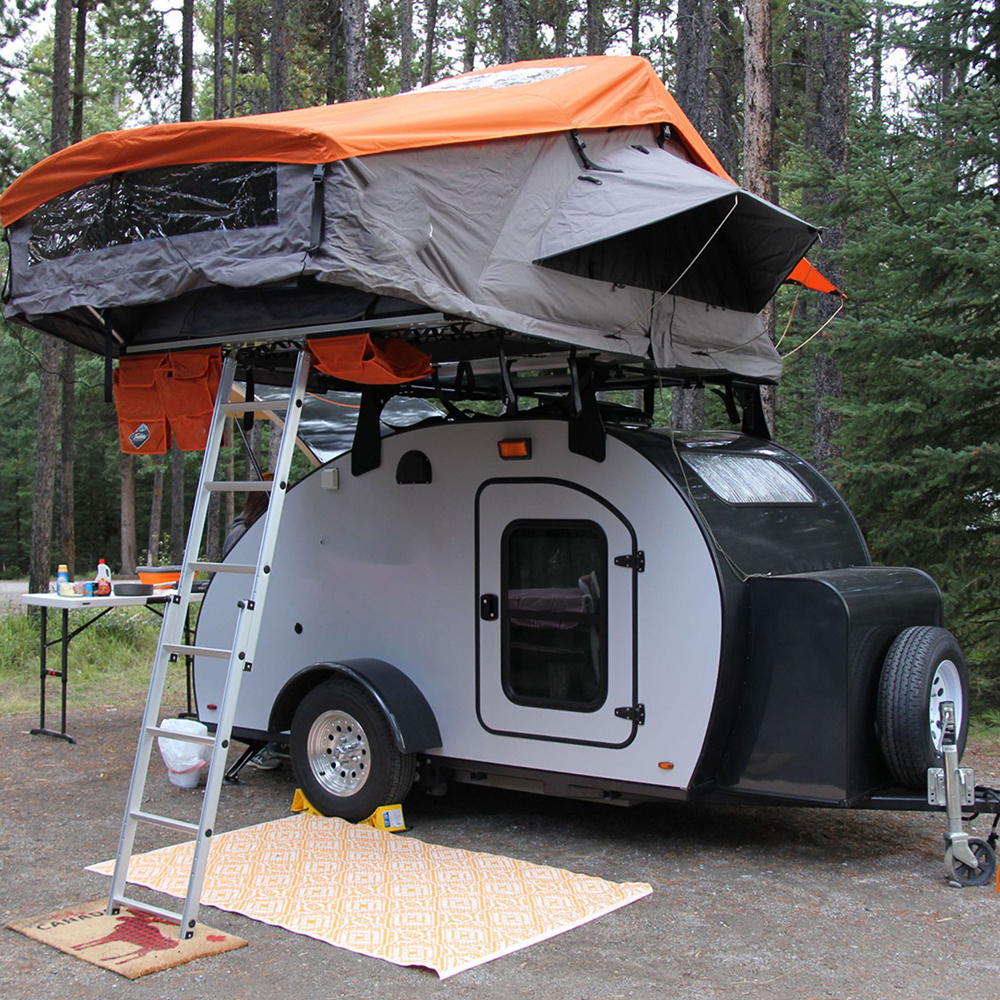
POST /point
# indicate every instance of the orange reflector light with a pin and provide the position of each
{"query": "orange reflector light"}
(666, 765)
(515, 448)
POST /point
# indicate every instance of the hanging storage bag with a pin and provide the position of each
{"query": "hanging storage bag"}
(188, 384)
(143, 428)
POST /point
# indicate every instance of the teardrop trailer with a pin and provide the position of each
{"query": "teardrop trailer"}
(562, 599)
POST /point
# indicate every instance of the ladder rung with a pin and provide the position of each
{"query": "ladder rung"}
(240, 486)
(153, 911)
(185, 650)
(170, 734)
(255, 406)
(174, 824)
(222, 567)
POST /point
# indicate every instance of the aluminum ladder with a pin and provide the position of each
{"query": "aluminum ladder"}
(239, 659)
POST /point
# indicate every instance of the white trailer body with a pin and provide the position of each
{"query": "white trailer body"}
(623, 629)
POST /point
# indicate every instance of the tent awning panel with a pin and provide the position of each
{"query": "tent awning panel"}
(652, 220)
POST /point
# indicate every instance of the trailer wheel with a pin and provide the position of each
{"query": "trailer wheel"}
(966, 876)
(343, 752)
(923, 668)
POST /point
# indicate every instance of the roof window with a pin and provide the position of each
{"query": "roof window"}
(749, 479)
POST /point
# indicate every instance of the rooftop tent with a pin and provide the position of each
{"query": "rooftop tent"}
(441, 215)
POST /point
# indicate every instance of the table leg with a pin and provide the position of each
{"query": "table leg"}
(45, 672)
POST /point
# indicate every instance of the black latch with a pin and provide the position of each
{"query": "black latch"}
(636, 714)
(636, 562)
(489, 607)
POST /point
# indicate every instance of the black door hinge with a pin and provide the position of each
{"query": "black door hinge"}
(636, 714)
(636, 562)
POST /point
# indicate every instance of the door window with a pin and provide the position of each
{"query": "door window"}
(554, 620)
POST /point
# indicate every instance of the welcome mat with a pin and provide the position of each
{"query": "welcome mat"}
(383, 895)
(132, 943)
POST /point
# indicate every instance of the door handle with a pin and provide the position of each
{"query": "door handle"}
(489, 607)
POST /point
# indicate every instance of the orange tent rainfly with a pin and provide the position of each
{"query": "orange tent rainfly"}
(546, 198)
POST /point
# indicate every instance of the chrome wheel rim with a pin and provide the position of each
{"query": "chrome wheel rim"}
(337, 750)
(946, 686)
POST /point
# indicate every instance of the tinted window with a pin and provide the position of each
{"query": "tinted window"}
(554, 615)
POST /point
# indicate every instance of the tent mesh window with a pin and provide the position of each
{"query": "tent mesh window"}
(747, 479)
(554, 647)
(160, 203)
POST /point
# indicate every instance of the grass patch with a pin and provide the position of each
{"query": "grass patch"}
(109, 663)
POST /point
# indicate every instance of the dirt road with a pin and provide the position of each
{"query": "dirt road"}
(747, 903)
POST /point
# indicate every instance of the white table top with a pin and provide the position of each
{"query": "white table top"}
(70, 603)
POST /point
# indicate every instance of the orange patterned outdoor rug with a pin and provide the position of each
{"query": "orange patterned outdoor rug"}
(383, 895)
(132, 944)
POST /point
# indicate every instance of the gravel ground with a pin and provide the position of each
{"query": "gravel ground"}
(747, 903)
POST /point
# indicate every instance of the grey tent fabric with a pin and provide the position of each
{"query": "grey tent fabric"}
(648, 218)
(451, 230)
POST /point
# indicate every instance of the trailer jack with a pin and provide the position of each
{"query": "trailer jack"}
(967, 860)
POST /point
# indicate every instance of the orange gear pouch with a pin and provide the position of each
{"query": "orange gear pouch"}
(188, 384)
(143, 428)
(369, 361)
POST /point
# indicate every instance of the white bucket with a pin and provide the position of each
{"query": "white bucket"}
(185, 761)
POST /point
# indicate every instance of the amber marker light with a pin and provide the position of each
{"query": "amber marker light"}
(515, 448)
(666, 765)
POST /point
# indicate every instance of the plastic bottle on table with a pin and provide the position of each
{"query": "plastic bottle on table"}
(63, 586)
(102, 584)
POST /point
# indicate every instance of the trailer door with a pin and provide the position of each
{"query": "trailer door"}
(556, 593)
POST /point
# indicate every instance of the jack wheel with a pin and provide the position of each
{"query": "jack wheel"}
(966, 876)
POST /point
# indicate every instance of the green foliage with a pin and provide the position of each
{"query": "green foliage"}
(109, 662)
(918, 345)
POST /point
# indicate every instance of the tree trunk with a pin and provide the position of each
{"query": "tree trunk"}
(877, 43)
(832, 147)
(235, 70)
(278, 61)
(691, 90)
(51, 354)
(758, 132)
(334, 27)
(155, 517)
(256, 439)
(694, 49)
(187, 61)
(427, 76)
(273, 444)
(128, 562)
(213, 541)
(355, 13)
(405, 14)
(218, 58)
(178, 512)
(560, 24)
(510, 31)
(45, 465)
(62, 41)
(67, 519)
(230, 510)
(79, 77)
(595, 28)
(729, 76)
(470, 32)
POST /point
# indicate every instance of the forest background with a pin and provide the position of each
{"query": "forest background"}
(878, 121)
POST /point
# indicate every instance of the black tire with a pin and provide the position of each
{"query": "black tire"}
(920, 658)
(338, 723)
(966, 876)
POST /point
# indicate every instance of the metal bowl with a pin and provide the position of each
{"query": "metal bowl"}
(133, 589)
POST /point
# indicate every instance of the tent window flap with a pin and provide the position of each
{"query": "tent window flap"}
(161, 203)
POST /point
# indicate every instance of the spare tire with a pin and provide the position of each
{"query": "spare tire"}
(923, 668)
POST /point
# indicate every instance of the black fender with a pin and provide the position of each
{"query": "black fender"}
(410, 717)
